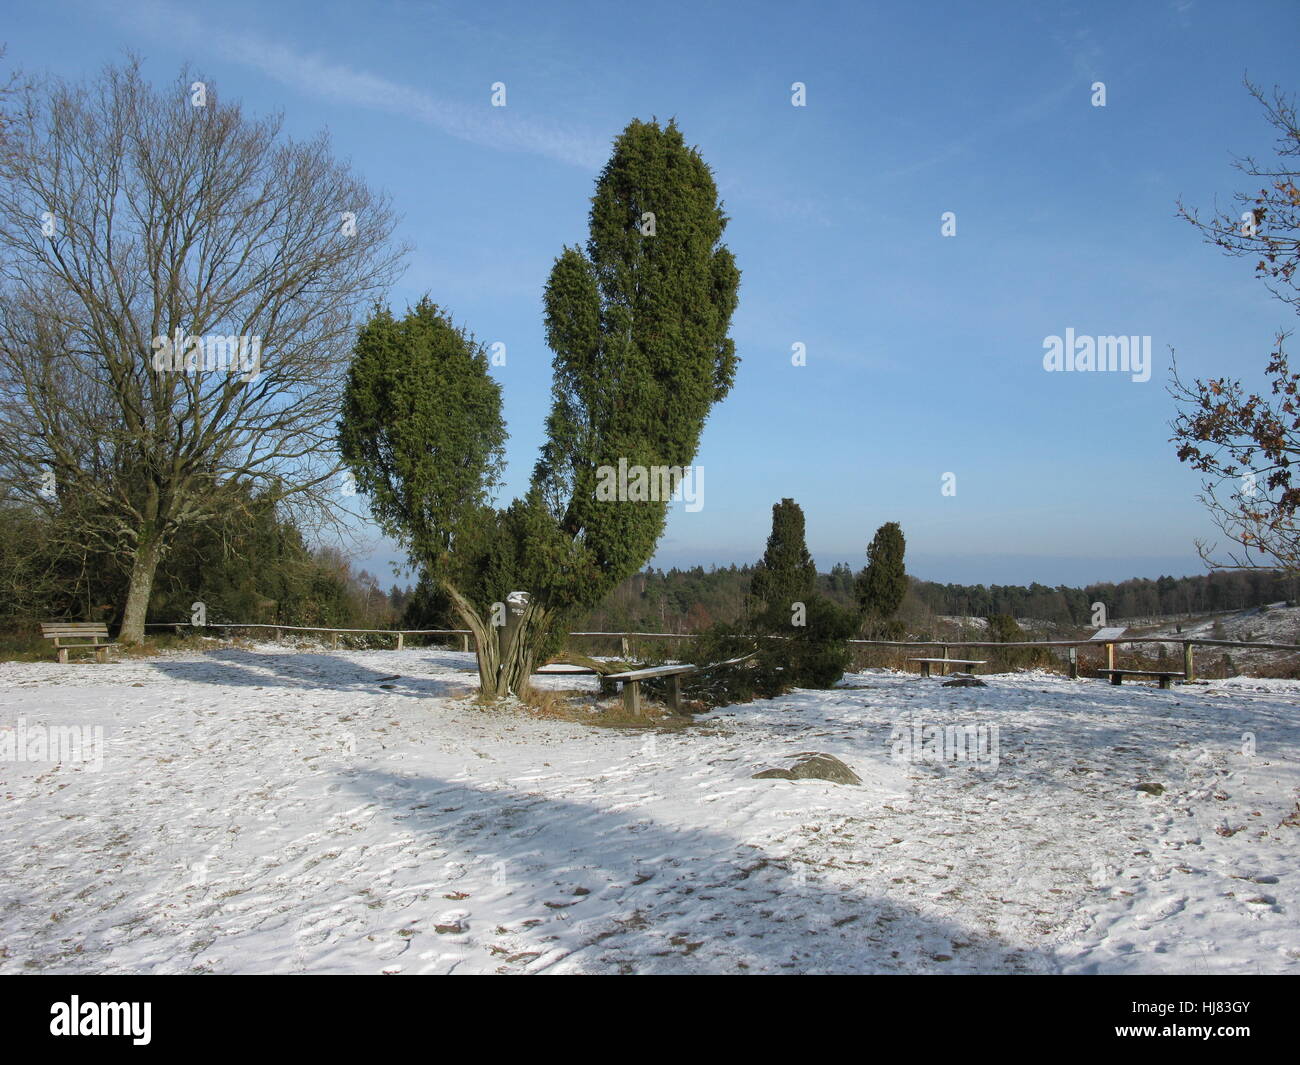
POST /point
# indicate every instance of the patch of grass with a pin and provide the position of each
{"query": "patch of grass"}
(607, 712)
(24, 645)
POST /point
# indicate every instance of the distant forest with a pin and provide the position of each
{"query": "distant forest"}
(686, 600)
(254, 565)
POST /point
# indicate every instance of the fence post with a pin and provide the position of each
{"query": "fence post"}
(464, 641)
(400, 637)
(1189, 668)
(626, 651)
(1074, 663)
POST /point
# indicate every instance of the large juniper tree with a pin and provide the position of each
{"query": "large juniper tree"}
(638, 323)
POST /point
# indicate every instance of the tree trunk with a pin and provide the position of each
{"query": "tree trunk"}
(143, 568)
(506, 656)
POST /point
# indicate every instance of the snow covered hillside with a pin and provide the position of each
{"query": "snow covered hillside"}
(270, 810)
(1275, 623)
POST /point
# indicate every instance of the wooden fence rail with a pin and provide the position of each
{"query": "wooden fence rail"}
(1189, 665)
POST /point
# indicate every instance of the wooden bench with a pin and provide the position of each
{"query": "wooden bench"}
(945, 663)
(1166, 679)
(88, 636)
(631, 681)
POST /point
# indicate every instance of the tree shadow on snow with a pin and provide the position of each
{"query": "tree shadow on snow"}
(307, 671)
(631, 894)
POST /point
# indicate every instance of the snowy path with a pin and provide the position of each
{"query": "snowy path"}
(279, 811)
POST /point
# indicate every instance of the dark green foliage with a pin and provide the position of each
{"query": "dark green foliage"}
(786, 574)
(814, 655)
(794, 638)
(882, 585)
(727, 685)
(422, 431)
(249, 565)
(1004, 629)
(817, 653)
(429, 607)
(638, 324)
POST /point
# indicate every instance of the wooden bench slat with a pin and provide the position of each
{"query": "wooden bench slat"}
(653, 671)
(564, 670)
(954, 661)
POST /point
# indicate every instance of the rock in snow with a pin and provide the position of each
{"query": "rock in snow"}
(964, 682)
(809, 765)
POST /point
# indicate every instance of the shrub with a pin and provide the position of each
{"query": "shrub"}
(778, 656)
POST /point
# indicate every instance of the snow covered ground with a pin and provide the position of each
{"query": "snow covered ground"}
(272, 810)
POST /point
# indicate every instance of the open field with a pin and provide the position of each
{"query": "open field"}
(266, 809)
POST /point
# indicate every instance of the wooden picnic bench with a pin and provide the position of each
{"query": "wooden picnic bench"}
(944, 663)
(1166, 679)
(631, 680)
(78, 636)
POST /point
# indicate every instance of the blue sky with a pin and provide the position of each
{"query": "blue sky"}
(924, 352)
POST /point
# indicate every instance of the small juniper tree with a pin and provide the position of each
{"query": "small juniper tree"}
(791, 636)
(786, 574)
(882, 585)
(638, 321)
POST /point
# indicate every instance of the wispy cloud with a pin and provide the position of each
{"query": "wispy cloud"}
(318, 76)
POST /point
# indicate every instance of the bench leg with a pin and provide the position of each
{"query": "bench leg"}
(1116, 679)
(925, 669)
(632, 696)
(101, 654)
(1166, 683)
(63, 656)
(675, 693)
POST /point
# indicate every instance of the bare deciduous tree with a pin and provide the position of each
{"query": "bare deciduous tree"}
(179, 290)
(1248, 444)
